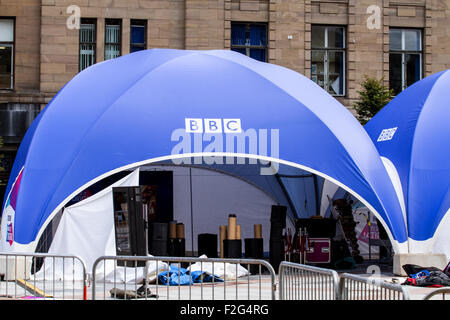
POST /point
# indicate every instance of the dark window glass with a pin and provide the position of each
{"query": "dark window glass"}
(6, 53)
(413, 40)
(413, 73)
(88, 35)
(405, 65)
(138, 35)
(318, 37)
(395, 39)
(328, 58)
(113, 36)
(15, 119)
(250, 39)
(335, 37)
(395, 72)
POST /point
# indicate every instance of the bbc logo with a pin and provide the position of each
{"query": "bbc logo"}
(199, 125)
(387, 134)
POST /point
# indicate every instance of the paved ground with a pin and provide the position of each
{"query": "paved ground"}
(254, 287)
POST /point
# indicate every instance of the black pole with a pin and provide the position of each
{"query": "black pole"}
(192, 213)
(316, 191)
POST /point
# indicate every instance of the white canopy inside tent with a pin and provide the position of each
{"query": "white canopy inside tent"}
(215, 195)
(329, 189)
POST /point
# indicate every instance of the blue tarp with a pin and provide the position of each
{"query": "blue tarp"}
(125, 111)
(180, 276)
(412, 131)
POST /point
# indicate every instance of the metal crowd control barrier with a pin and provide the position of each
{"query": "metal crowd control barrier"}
(109, 279)
(443, 292)
(304, 282)
(42, 276)
(353, 287)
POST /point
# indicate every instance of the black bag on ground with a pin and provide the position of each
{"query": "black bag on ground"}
(411, 269)
(434, 279)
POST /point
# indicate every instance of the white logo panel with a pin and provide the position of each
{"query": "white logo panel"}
(387, 134)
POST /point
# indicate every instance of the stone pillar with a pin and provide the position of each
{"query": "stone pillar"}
(365, 52)
(204, 24)
(100, 50)
(125, 36)
(287, 34)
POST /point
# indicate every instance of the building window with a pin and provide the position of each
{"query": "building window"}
(250, 39)
(113, 37)
(138, 35)
(328, 58)
(88, 35)
(6, 53)
(15, 119)
(405, 58)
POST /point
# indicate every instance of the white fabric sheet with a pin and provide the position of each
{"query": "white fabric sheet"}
(86, 230)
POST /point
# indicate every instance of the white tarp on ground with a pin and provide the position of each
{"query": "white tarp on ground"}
(225, 271)
(86, 230)
(121, 274)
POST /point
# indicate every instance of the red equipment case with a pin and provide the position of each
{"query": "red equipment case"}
(319, 250)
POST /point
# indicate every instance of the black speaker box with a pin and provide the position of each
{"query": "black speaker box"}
(276, 253)
(159, 247)
(232, 248)
(278, 215)
(254, 249)
(207, 244)
(159, 231)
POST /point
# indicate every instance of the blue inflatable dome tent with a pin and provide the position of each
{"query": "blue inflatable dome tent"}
(161, 105)
(412, 136)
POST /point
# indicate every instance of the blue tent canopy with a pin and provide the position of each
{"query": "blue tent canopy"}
(412, 132)
(131, 110)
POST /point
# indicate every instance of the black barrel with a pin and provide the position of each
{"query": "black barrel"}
(207, 245)
(180, 247)
(232, 248)
(159, 247)
(276, 253)
(254, 249)
(172, 247)
(176, 247)
(159, 231)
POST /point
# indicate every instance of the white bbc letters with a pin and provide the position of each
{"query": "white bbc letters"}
(232, 125)
(213, 125)
(194, 125)
(199, 125)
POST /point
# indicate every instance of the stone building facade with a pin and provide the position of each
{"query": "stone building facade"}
(46, 42)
